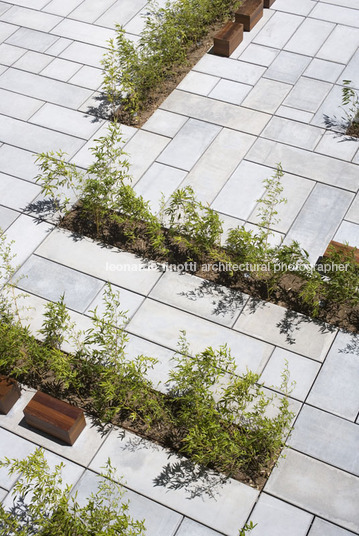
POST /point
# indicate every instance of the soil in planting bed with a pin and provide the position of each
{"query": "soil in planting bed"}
(353, 130)
(286, 292)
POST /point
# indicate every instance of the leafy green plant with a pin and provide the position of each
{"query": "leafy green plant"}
(350, 99)
(54, 511)
(247, 528)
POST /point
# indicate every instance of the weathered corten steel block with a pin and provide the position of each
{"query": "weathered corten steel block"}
(55, 417)
(227, 39)
(9, 393)
(249, 14)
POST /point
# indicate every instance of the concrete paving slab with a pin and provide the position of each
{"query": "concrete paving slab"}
(159, 521)
(224, 508)
(31, 39)
(165, 123)
(143, 149)
(291, 6)
(230, 69)
(6, 30)
(27, 234)
(328, 71)
(309, 37)
(336, 14)
(59, 46)
(33, 62)
(259, 54)
(18, 162)
(159, 180)
(50, 280)
(217, 163)
(191, 528)
(129, 302)
(7, 217)
(60, 69)
(294, 114)
(329, 171)
(217, 112)
(109, 264)
(18, 106)
(121, 13)
(3, 494)
(232, 92)
(303, 372)
(35, 138)
(84, 53)
(162, 324)
(61, 7)
(351, 70)
(287, 67)
(15, 193)
(277, 518)
(90, 10)
(278, 30)
(337, 145)
(313, 485)
(353, 212)
(327, 438)
(267, 95)
(287, 329)
(200, 297)
(292, 133)
(308, 94)
(199, 83)
(341, 44)
(323, 528)
(29, 18)
(12, 446)
(335, 389)
(348, 232)
(9, 54)
(312, 228)
(88, 77)
(189, 144)
(81, 31)
(71, 122)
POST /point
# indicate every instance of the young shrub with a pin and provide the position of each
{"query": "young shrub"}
(192, 223)
(54, 511)
(342, 279)
(350, 99)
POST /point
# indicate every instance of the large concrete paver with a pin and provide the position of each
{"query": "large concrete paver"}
(323, 528)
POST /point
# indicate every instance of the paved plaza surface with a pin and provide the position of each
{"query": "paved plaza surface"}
(223, 130)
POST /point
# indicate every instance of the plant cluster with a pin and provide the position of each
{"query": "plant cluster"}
(350, 99)
(132, 71)
(53, 509)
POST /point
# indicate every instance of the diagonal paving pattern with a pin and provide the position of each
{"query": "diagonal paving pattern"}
(223, 130)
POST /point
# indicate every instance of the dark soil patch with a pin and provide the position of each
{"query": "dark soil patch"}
(353, 130)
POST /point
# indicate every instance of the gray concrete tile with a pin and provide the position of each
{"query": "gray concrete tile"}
(292, 133)
(241, 192)
(267, 95)
(199, 83)
(109, 264)
(335, 389)
(7, 217)
(189, 144)
(340, 45)
(287, 329)
(15, 193)
(314, 486)
(60, 69)
(353, 212)
(18, 106)
(306, 164)
(308, 94)
(12, 446)
(35, 138)
(143, 149)
(29, 18)
(31, 39)
(323, 528)
(200, 297)
(261, 55)
(61, 7)
(309, 37)
(338, 146)
(327, 438)
(351, 71)
(129, 302)
(4, 7)
(293, 113)
(18, 162)
(6, 30)
(278, 518)
(336, 14)
(50, 280)
(59, 46)
(217, 112)
(121, 13)
(27, 234)
(90, 10)
(232, 92)
(331, 113)
(9, 54)
(84, 53)
(302, 371)
(88, 77)
(86, 33)
(33, 62)
(140, 462)
(287, 67)
(191, 528)
(159, 521)
(64, 120)
(291, 6)
(165, 123)
(44, 88)
(3, 494)
(328, 71)
(312, 228)
(230, 69)
(161, 324)
(345, 3)
(278, 30)
(160, 180)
